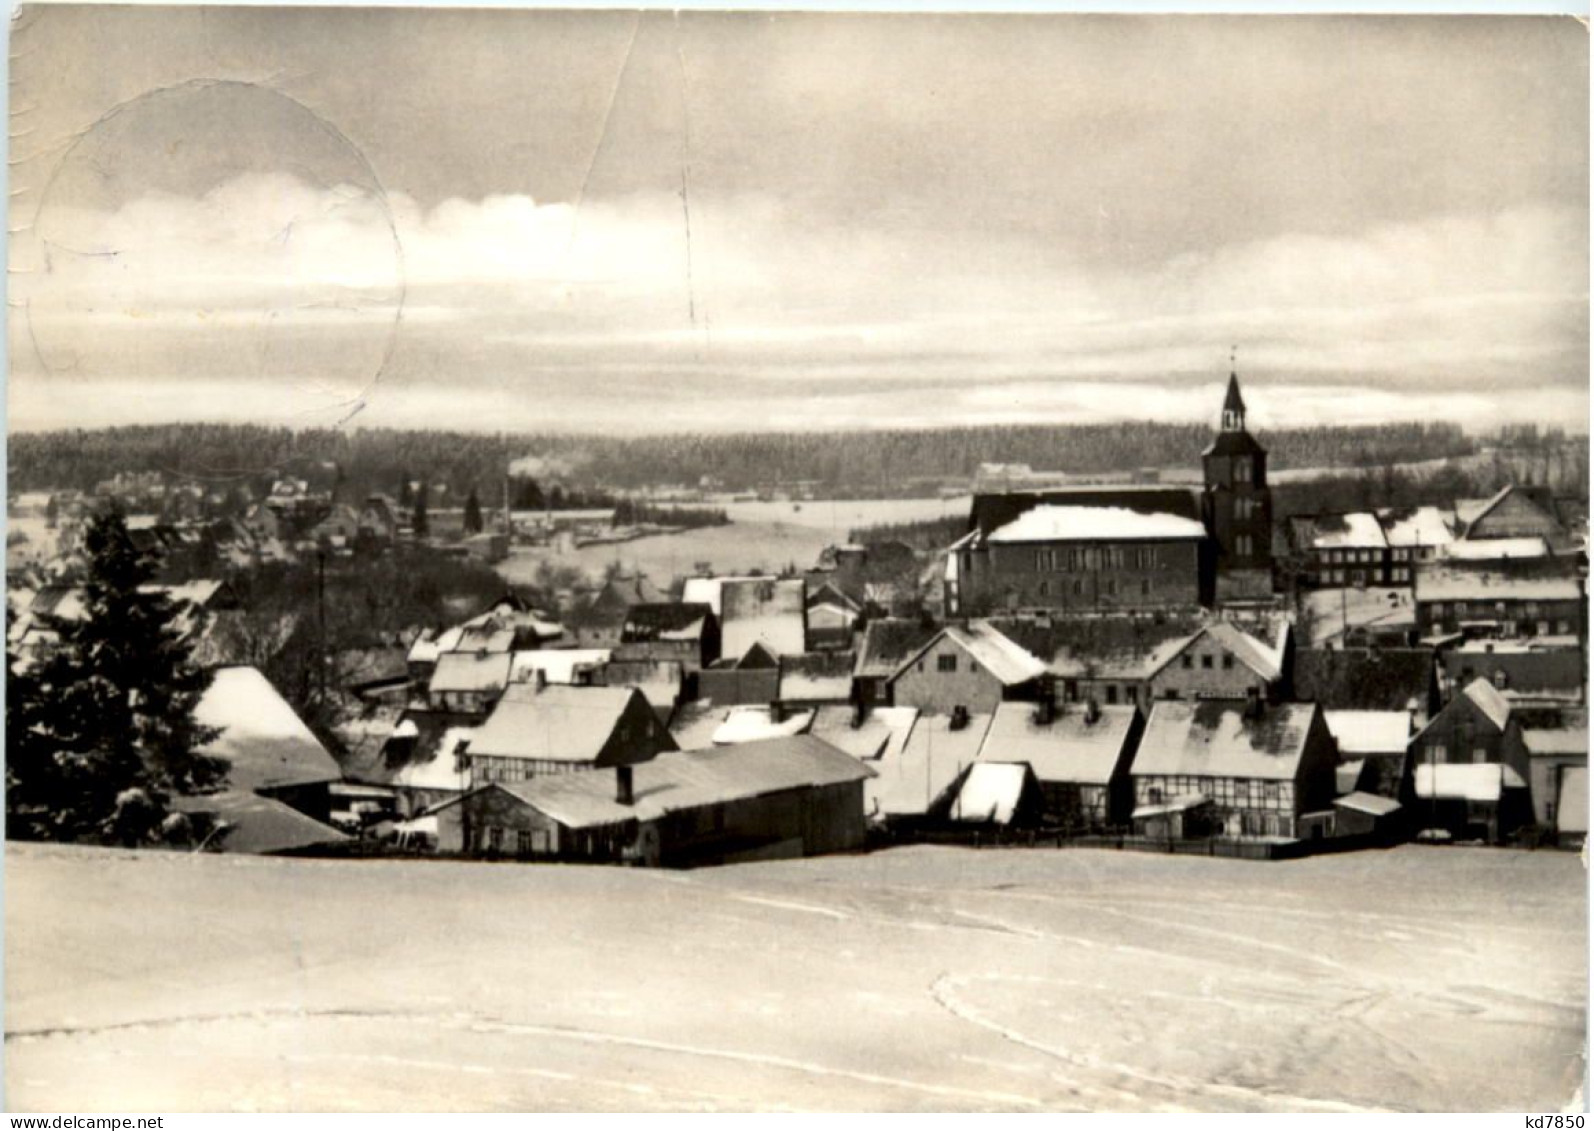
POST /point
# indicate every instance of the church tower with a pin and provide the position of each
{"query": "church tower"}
(1238, 506)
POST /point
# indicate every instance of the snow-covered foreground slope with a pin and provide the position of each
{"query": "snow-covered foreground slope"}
(920, 978)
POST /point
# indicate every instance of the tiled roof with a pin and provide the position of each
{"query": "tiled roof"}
(1068, 749)
(555, 724)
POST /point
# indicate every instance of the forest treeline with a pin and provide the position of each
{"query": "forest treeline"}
(859, 464)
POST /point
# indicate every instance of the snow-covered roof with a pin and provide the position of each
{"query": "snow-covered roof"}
(1213, 738)
(929, 765)
(689, 779)
(1358, 530)
(553, 724)
(991, 793)
(1369, 803)
(258, 825)
(991, 649)
(470, 671)
(1049, 522)
(442, 772)
(882, 733)
(1369, 732)
(266, 744)
(1180, 804)
(1493, 549)
(557, 665)
(1556, 740)
(1072, 748)
(1468, 781)
(1419, 526)
(1442, 583)
(1496, 707)
(754, 724)
(430, 645)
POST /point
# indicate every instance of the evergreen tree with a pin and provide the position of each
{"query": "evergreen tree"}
(473, 513)
(101, 731)
(405, 496)
(419, 523)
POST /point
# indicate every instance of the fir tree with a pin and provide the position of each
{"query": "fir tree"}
(473, 513)
(101, 731)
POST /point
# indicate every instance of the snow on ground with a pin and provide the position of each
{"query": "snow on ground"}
(914, 979)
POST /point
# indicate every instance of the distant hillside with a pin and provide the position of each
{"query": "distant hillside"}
(890, 463)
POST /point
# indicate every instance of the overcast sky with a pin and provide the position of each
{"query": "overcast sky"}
(628, 223)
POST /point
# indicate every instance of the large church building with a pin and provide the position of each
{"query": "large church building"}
(1124, 549)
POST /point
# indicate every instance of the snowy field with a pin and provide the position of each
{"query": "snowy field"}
(915, 979)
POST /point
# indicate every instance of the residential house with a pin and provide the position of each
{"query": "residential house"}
(785, 797)
(1080, 756)
(423, 759)
(970, 667)
(536, 730)
(1501, 599)
(338, 530)
(686, 634)
(763, 610)
(468, 682)
(566, 667)
(600, 621)
(1498, 549)
(1234, 769)
(378, 523)
(1511, 512)
(1475, 729)
(833, 616)
(885, 646)
(1535, 670)
(1344, 549)
(752, 678)
(1414, 535)
(662, 682)
(867, 733)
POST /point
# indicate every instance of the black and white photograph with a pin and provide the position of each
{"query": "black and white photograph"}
(608, 560)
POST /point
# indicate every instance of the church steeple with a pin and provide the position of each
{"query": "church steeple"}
(1233, 403)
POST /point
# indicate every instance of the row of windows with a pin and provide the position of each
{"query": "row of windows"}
(1245, 507)
(1188, 662)
(1361, 576)
(495, 839)
(1398, 553)
(1224, 791)
(1109, 588)
(1528, 609)
(1096, 557)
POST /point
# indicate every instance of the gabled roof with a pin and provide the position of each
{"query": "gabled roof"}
(1416, 526)
(1213, 738)
(1068, 749)
(429, 645)
(1473, 511)
(992, 650)
(555, 724)
(1234, 444)
(1496, 549)
(689, 779)
(1253, 653)
(755, 724)
(1523, 580)
(1370, 803)
(890, 641)
(1116, 647)
(1357, 530)
(486, 638)
(470, 671)
(265, 743)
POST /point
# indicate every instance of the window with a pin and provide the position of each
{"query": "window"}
(1544, 628)
(1228, 663)
(946, 663)
(1171, 693)
(1479, 754)
(1242, 470)
(1563, 627)
(1145, 587)
(1242, 546)
(1187, 661)
(1045, 589)
(1112, 693)
(495, 839)
(1531, 610)
(523, 842)
(1206, 662)
(1112, 587)
(1079, 587)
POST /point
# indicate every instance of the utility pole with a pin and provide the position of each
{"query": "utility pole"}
(321, 623)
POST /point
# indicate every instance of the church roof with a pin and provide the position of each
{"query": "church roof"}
(1233, 402)
(1234, 444)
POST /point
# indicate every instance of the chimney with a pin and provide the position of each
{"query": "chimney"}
(860, 709)
(960, 717)
(624, 790)
(1092, 710)
(1046, 705)
(540, 678)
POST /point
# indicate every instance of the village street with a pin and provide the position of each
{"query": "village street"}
(913, 979)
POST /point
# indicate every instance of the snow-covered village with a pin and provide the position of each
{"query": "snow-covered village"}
(1196, 722)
